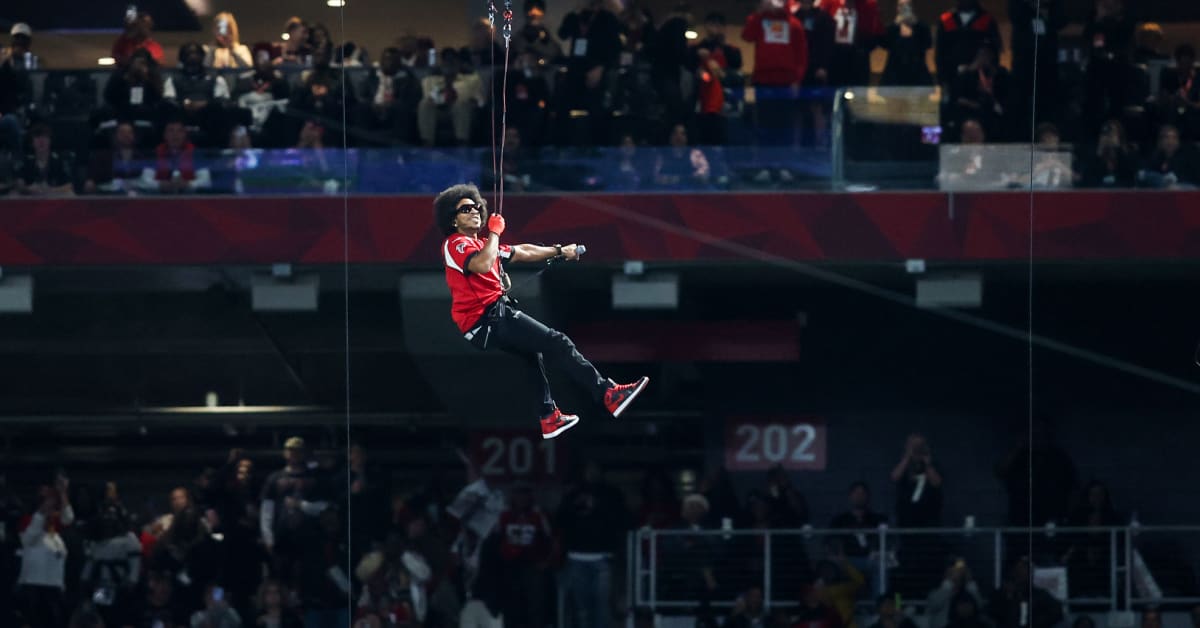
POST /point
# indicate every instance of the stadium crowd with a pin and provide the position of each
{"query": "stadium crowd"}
(609, 75)
(318, 537)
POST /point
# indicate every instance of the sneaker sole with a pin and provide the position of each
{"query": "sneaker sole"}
(633, 395)
(564, 427)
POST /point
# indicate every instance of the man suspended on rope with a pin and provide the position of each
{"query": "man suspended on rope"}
(484, 313)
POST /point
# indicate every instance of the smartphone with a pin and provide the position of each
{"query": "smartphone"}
(218, 594)
(223, 27)
(131, 14)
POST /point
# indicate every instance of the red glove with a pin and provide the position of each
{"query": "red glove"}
(496, 224)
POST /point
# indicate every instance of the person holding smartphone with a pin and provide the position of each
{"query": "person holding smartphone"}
(139, 27)
(228, 51)
(41, 583)
(958, 581)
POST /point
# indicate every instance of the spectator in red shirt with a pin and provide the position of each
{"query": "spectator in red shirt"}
(780, 46)
(960, 35)
(710, 121)
(780, 62)
(137, 35)
(715, 62)
(175, 169)
(857, 31)
(524, 553)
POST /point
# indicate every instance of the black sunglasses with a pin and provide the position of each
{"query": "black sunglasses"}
(471, 207)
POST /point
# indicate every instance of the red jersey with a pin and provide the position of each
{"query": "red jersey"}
(711, 92)
(982, 22)
(470, 293)
(167, 163)
(524, 535)
(858, 25)
(780, 47)
(125, 46)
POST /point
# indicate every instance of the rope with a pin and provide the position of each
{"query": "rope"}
(497, 172)
(1037, 40)
(346, 295)
(491, 8)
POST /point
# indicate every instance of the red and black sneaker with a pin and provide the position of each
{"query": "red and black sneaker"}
(557, 423)
(619, 396)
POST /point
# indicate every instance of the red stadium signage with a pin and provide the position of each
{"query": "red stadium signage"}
(517, 455)
(1068, 226)
(755, 444)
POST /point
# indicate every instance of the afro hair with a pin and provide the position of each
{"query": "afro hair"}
(445, 206)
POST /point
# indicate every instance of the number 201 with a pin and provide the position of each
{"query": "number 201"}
(520, 456)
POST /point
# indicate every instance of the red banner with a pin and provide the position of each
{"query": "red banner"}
(1134, 225)
(756, 444)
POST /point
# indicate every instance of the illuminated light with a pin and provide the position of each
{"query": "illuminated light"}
(285, 37)
(849, 96)
(692, 35)
(335, 3)
(228, 409)
(106, 61)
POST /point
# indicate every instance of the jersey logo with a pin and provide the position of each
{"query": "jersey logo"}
(776, 32)
(460, 247)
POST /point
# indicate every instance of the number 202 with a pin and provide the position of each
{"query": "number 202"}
(771, 443)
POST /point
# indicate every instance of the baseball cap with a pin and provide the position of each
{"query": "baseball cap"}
(21, 28)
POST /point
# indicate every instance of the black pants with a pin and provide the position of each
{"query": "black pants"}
(41, 606)
(513, 331)
(524, 603)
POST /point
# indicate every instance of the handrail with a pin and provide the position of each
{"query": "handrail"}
(1124, 560)
(1048, 530)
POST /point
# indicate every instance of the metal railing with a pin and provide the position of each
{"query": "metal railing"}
(1110, 568)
